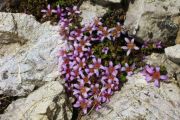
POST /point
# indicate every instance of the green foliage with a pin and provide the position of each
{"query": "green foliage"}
(112, 17)
(67, 2)
(32, 7)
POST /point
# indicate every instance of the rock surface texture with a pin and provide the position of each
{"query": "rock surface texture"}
(28, 53)
(173, 53)
(177, 21)
(139, 101)
(90, 12)
(46, 103)
(153, 19)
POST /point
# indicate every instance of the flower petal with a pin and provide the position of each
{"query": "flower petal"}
(127, 40)
(148, 78)
(156, 83)
(163, 77)
(157, 69)
(128, 52)
(124, 47)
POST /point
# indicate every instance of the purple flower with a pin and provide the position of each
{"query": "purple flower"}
(95, 89)
(153, 74)
(128, 69)
(90, 70)
(58, 11)
(80, 62)
(108, 87)
(97, 22)
(158, 44)
(84, 41)
(116, 31)
(65, 70)
(106, 96)
(75, 72)
(73, 10)
(97, 102)
(95, 66)
(104, 33)
(105, 50)
(112, 69)
(89, 28)
(130, 46)
(84, 104)
(48, 11)
(81, 89)
(76, 34)
(84, 78)
(79, 49)
(145, 45)
(110, 78)
(65, 23)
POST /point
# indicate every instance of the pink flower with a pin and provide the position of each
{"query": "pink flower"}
(84, 104)
(73, 10)
(59, 11)
(128, 69)
(48, 11)
(130, 46)
(105, 50)
(81, 63)
(116, 31)
(81, 89)
(79, 49)
(153, 74)
(84, 78)
(104, 33)
(97, 102)
(110, 78)
(112, 70)
(95, 89)
(96, 65)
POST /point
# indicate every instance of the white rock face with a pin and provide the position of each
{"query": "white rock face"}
(173, 53)
(139, 101)
(90, 12)
(28, 53)
(46, 103)
(153, 19)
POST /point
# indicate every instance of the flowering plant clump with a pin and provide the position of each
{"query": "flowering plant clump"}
(95, 64)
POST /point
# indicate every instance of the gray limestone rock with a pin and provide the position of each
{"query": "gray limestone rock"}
(153, 19)
(173, 53)
(28, 53)
(46, 103)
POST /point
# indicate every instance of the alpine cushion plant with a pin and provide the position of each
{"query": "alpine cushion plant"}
(94, 66)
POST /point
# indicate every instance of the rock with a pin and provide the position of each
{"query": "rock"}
(177, 21)
(2, 4)
(28, 53)
(153, 19)
(172, 68)
(114, 1)
(90, 12)
(139, 101)
(173, 53)
(46, 103)
(178, 38)
(6, 5)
